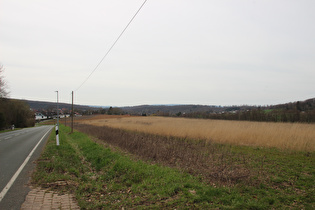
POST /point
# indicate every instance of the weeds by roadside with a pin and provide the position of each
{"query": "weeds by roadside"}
(214, 163)
(101, 178)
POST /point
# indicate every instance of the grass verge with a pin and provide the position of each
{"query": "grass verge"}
(102, 178)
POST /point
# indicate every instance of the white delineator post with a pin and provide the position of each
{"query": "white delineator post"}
(57, 126)
(57, 135)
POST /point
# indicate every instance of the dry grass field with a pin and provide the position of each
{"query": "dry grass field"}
(292, 136)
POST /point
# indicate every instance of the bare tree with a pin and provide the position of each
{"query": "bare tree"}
(4, 93)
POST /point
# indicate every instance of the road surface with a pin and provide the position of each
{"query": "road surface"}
(18, 150)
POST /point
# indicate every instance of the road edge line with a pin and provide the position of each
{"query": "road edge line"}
(17, 173)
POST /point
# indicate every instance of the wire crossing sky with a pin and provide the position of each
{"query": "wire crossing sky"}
(112, 46)
(227, 52)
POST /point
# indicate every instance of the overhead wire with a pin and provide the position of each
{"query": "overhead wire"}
(111, 46)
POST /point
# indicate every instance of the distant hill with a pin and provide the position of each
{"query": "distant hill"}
(148, 109)
(306, 105)
(176, 109)
(43, 105)
(292, 111)
(299, 111)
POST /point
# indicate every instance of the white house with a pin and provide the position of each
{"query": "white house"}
(40, 116)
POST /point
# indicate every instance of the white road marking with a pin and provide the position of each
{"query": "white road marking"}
(17, 173)
(6, 138)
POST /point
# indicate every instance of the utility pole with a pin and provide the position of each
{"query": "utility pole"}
(57, 126)
(72, 115)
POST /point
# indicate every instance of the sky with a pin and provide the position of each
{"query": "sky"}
(207, 52)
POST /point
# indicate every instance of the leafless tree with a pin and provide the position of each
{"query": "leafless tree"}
(4, 93)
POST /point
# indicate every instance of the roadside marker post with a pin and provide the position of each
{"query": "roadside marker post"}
(72, 113)
(57, 135)
(57, 126)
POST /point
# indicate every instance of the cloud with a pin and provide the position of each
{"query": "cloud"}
(203, 52)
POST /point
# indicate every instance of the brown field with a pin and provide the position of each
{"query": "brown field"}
(292, 136)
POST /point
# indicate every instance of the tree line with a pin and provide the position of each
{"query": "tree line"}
(301, 111)
(259, 115)
(13, 112)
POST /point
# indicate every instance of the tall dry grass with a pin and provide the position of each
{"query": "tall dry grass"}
(293, 136)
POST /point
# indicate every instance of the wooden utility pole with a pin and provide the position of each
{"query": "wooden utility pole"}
(72, 115)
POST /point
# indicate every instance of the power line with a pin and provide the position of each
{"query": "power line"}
(111, 46)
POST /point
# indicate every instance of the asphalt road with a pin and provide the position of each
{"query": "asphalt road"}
(15, 148)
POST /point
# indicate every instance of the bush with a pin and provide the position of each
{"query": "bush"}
(15, 112)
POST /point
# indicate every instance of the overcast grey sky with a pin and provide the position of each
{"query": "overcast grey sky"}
(211, 52)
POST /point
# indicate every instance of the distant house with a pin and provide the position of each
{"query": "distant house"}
(77, 114)
(40, 116)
